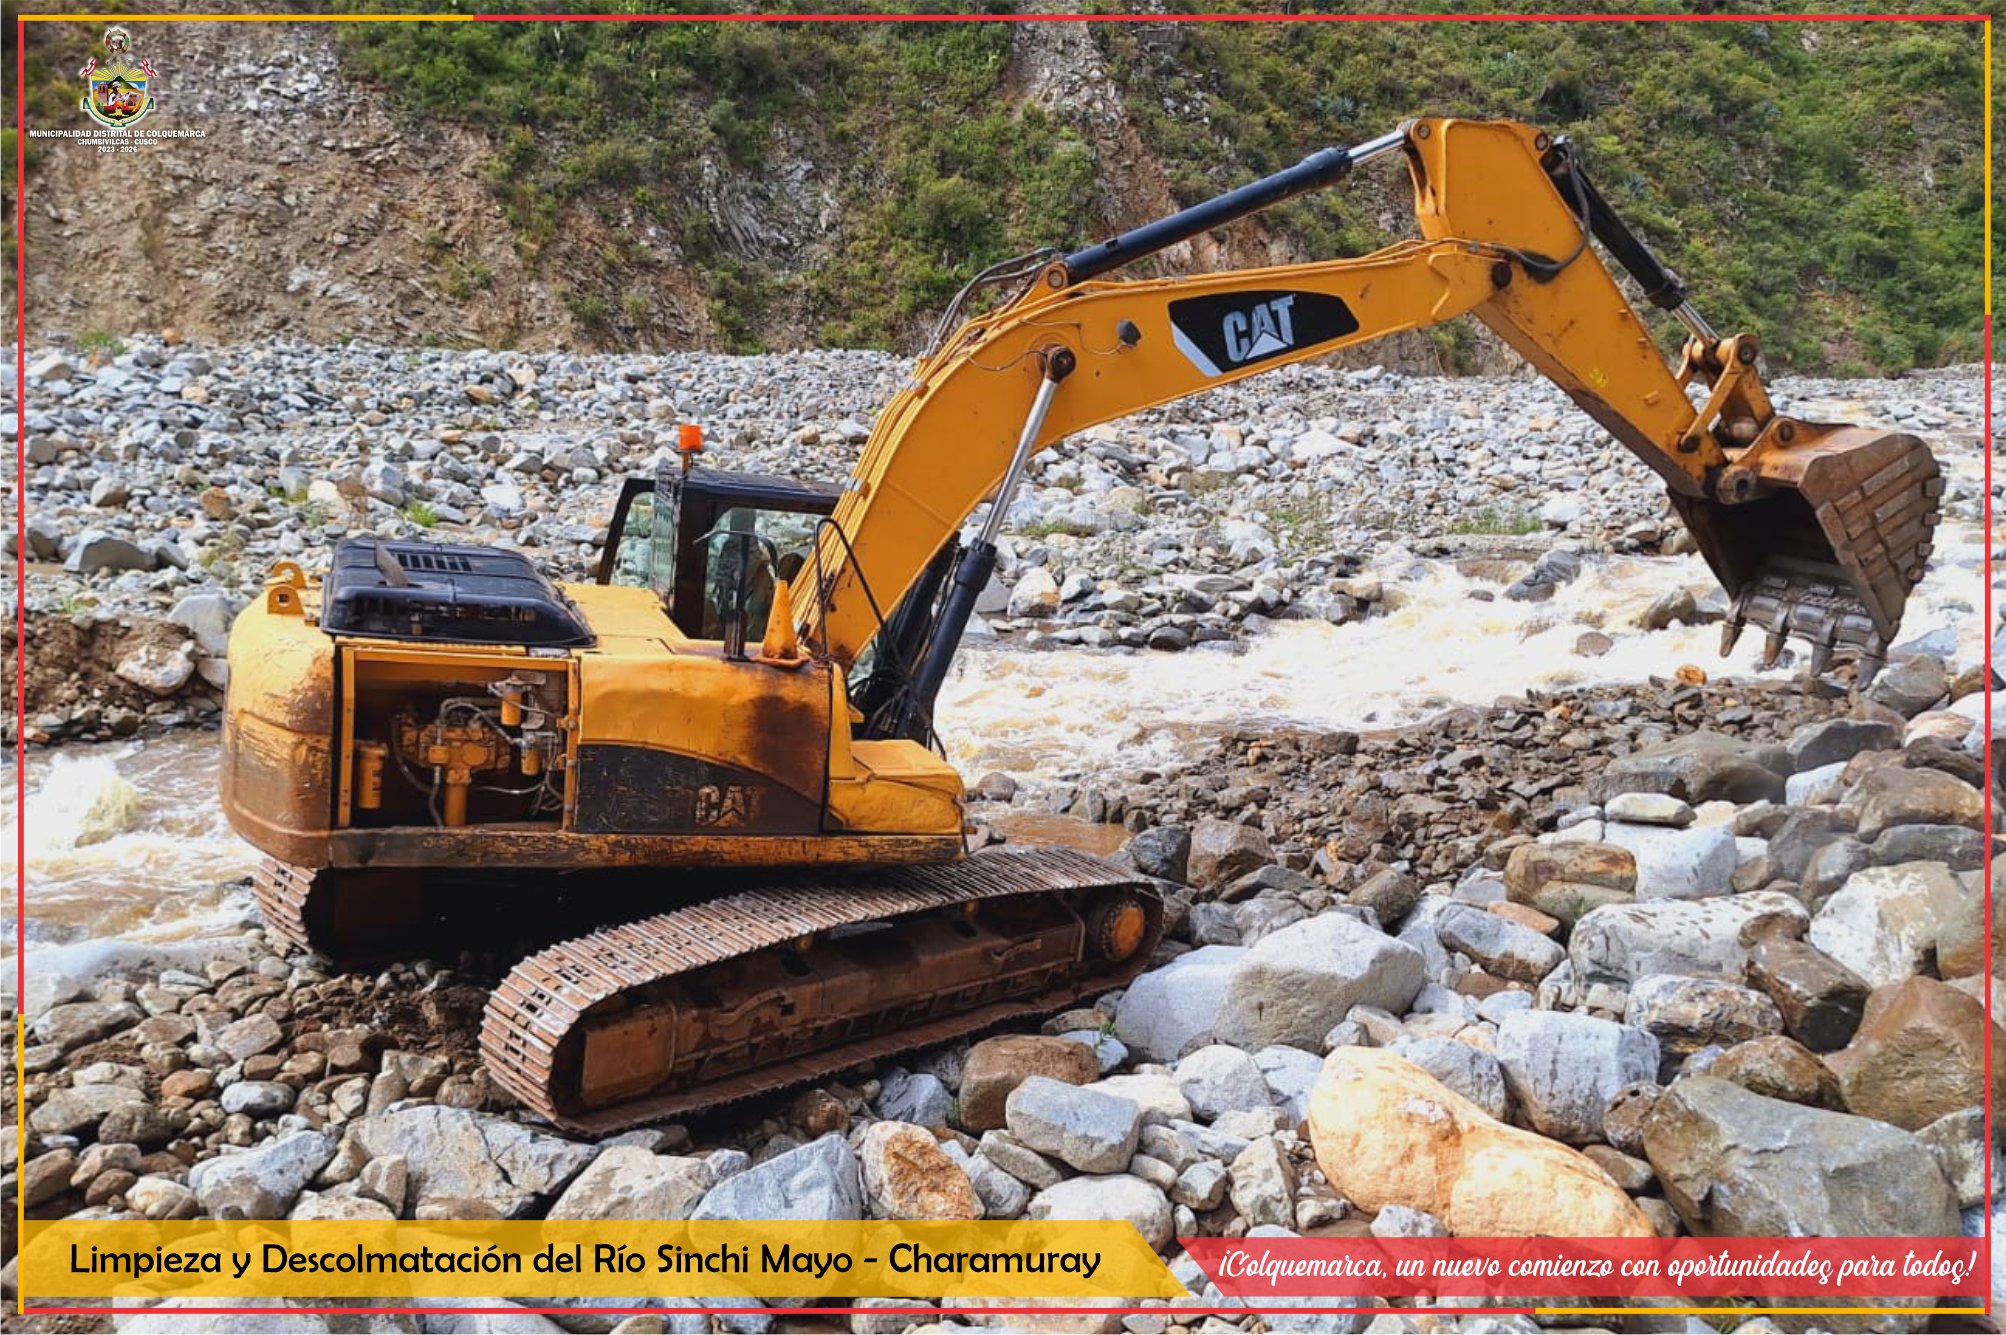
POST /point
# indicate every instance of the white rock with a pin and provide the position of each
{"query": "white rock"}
(1648, 809)
(1619, 943)
(1469, 1071)
(1677, 863)
(1111, 1197)
(1164, 1009)
(1220, 1079)
(1821, 786)
(1564, 1068)
(1883, 922)
(629, 1182)
(1035, 594)
(1092, 1131)
(1294, 984)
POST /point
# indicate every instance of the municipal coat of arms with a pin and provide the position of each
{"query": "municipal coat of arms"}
(119, 83)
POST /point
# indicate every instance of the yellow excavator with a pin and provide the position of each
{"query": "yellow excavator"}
(720, 748)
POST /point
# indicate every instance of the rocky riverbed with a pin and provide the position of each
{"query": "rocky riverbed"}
(1471, 868)
(165, 479)
(1619, 937)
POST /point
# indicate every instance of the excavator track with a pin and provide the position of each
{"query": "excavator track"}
(371, 919)
(788, 982)
(630, 987)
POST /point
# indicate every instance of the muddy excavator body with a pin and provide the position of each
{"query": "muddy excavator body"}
(717, 761)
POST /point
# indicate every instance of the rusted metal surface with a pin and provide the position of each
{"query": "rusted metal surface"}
(642, 988)
(1833, 552)
(346, 917)
(517, 848)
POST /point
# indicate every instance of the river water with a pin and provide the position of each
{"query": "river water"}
(125, 839)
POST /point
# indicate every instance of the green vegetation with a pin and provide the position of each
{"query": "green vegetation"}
(97, 340)
(1819, 184)
(938, 173)
(1050, 528)
(1492, 522)
(1302, 524)
(421, 514)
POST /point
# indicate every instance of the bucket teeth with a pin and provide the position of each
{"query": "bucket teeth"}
(1787, 602)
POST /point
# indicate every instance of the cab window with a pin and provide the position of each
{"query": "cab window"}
(757, 548)
(645, 555)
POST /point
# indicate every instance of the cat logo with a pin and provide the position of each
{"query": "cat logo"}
(120, 89)
(1259, 332)
(1229, 331)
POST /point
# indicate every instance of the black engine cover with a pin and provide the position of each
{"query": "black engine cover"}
(445, 591)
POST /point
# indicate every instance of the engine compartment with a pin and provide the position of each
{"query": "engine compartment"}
(455, 744)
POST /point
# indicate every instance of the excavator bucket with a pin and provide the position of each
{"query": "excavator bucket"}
(1835, 536)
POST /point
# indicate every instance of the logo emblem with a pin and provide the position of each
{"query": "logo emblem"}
(1231, 330)
(119, 85)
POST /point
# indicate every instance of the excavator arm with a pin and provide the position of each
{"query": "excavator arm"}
(1814, 530)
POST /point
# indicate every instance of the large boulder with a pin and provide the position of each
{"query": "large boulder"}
(1216, 1080)
(1820, 999)
(1919, 1054)
(1835, 740)
(630, 1182)
(907, 1175)
(1892, 795)
(1961, 938)
(1780, 1068)
(1093, 1131)
(1162, 851)
(1734, 1163)
(1568, 880)
(1385, 1132)
(80, 1022)
(454, 1155)
(1468, 1070)
(1504, 948)
(76, 1111)
(1883, 922)
(1164, 1009)
(1704, 938)
(1677, 864)
(261, 1183)
(1295, 984)
(1700, 767)
(1114, 1196)
(1687, 1014)
(1564, 1068)
(820, 1180)
(995, 1066)
(1910, 685)
(1222, 851)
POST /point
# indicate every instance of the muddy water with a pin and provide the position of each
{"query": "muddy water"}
(126, 840)
(1070, 712)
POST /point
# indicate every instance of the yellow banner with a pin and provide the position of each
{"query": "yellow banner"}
(567, 1258)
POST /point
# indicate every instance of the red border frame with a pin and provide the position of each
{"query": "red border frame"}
(21, 571)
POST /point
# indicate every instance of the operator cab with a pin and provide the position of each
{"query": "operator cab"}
(713, 544)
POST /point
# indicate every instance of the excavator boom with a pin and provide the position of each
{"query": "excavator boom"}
(1814, 530)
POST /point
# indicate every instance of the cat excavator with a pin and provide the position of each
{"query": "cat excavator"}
(706, 779)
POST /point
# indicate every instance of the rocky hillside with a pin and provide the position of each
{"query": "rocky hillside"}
(770, 186)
